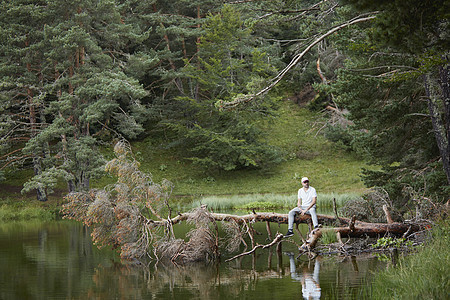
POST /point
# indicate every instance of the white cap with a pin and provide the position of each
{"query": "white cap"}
(305, 179)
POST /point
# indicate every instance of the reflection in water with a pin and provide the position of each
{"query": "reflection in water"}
(309, 278)
(58, 261)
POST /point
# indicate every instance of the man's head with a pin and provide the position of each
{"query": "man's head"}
(305, 181)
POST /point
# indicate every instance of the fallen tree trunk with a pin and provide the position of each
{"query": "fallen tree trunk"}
(349, 228)
(255, 217)
(374, 229)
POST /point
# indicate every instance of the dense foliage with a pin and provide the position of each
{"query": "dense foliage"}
(395, 84)
(76, 74)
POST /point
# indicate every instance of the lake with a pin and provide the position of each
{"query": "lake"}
(56, 260)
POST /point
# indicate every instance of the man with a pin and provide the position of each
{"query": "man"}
(307, 198)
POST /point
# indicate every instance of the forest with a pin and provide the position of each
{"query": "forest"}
(201, 75)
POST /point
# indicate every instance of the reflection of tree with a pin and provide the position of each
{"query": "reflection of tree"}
(57, 260)
(197, 280)
(46, 260)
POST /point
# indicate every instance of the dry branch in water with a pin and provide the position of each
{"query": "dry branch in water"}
(276, 240)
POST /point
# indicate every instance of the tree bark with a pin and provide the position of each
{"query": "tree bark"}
(41, 193)
(438, 95)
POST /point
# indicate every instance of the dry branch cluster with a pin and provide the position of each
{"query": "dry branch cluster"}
(129, 215)
(369, 207)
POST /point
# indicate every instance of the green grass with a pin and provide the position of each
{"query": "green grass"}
(22, 209)
(423, 275)
(328, 237)
(15, 213)
(268, 201)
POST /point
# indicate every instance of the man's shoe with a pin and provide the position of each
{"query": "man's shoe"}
(289, 233)
(317, 226)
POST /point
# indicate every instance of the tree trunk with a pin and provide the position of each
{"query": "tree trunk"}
(177, 81)
(41, 194)
(352, 228)
(438, 95)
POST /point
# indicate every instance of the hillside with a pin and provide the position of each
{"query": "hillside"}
(294, 130)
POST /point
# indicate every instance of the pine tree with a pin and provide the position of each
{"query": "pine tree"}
(382, 85)
(83, 89)
(227, 64)
(22, 88)
(420, 29)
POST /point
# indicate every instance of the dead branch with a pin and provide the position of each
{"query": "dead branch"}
(336, 211)
(319, 70)
(388, 214)
(269, 232)
(275, 241)
(312, 240)
(338, 237)
(296, 59)
(299, 233)
(353, 227)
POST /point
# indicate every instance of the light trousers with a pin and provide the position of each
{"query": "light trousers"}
(296, 210)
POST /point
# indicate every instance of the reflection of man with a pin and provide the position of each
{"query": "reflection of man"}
(310, 281)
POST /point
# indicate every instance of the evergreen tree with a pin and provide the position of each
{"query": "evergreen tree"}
(382, 85)
(421, 29)
(22, 85)
(83, 89)
(227, 64)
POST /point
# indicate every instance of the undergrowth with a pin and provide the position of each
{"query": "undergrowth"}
(14, 213)
(423, 275)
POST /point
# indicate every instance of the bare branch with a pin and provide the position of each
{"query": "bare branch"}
(275, 240)
(294, 62)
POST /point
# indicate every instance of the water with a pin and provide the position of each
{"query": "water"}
(57, 260)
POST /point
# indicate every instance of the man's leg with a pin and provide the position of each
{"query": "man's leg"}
(291, 217)
(312, 212)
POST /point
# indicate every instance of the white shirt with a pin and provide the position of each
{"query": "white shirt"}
(307, 196)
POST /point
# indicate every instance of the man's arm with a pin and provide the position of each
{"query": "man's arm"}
(309, 207)
(312, 203)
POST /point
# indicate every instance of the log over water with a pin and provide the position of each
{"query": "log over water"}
(349, 228)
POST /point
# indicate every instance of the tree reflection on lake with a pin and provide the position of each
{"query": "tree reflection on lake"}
(57, 260)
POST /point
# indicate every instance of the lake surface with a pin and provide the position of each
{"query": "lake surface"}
(56, 260)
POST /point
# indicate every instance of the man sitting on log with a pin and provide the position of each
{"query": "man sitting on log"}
(307, 198)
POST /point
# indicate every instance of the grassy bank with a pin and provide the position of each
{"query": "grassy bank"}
(13, 210)
(268, 201)
(423, 275)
